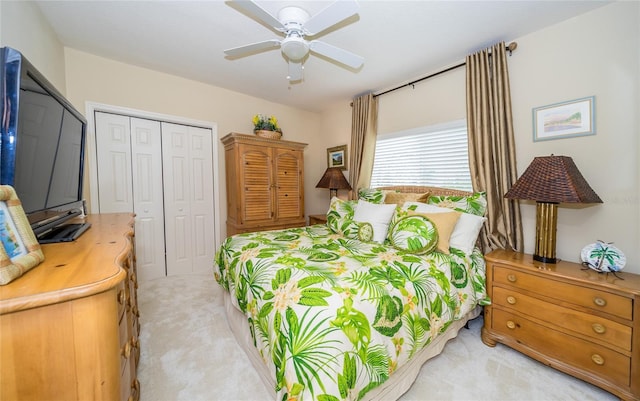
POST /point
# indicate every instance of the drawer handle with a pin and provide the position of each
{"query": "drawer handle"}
(511, 324)
(511, 277)
(126, 351)
(597, 359)
(511, 300)
(122, 297)
(599, 301)
(598, 328)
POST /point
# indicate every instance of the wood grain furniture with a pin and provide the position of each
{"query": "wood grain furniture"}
(582, 322)
(317, 219)
(69, 327)
(265, 183)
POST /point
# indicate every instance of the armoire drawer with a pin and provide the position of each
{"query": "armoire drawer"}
(582, 296)
(564, 348)
(616, 334)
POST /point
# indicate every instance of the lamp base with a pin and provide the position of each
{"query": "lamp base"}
(546, 223)
(544, 259)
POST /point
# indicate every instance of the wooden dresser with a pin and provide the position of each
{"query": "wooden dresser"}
(69, 327)
(265, 183)
(584, 323)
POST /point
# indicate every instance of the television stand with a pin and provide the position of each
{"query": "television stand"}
(63, 233)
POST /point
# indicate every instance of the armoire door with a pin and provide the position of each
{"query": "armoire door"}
(130, 180)
(188, 195)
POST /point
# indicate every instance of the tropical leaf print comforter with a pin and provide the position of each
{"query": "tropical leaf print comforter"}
(334, 317)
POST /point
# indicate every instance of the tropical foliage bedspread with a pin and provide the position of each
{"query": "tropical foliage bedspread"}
(334, 317)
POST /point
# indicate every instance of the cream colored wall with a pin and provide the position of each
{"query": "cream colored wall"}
(100, 80)
(595, 54)
(24, 28)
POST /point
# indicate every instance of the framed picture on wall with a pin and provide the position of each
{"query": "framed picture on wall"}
(564, 120)
(19, 248)
(337, 157)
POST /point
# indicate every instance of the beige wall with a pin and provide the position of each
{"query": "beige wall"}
(595, 54)
(23, 27)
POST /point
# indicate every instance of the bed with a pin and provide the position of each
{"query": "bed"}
(328, 314)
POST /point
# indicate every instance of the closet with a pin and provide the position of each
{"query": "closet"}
(162, 172)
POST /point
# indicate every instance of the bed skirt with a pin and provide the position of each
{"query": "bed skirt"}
(392, 389)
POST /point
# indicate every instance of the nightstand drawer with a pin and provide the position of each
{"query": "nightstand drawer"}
(549, 287)
(565, 349)
(596, 327)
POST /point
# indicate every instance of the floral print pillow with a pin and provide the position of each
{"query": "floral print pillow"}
(371, 195)
(474, 204)
(340, 218)
(414, 234)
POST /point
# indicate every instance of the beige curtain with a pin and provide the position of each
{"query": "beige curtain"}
(364, 120)
(491, 146)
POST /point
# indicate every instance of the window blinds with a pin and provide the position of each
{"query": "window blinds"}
(432, 156)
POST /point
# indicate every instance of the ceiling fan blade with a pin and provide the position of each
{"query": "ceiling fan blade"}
(336, 53)
(260, 13)
(253, 48)
(334, 13)
(295, 71)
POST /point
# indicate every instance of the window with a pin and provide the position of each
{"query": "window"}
(432, 156)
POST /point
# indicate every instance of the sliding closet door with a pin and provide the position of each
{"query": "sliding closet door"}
(188, 194)
(129, 160)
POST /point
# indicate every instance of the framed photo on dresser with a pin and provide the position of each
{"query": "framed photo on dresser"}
(20, 250)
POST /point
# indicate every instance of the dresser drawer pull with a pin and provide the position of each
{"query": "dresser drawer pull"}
(512, 278)
(599, 301)
(598, 328)
(597, 359)
(126, 351)
(122, 297)
(511, 300)
(511, 324)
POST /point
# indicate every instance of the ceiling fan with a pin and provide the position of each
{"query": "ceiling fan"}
(295, 23)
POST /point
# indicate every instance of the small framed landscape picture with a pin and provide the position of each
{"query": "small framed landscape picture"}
(564, 120)
(19, 250)
(337, 157)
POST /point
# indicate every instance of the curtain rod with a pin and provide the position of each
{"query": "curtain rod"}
(510, 48)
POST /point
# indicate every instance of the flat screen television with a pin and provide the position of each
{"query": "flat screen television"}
(42, 141)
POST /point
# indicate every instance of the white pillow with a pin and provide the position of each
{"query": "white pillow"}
(465, 233)
(378, 215)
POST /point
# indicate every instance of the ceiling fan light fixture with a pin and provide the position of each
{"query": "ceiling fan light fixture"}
(294, 48)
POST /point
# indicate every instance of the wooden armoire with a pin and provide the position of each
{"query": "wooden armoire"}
(265, 183)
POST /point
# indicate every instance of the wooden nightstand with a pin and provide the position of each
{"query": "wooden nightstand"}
(317, 219)
(584, 323)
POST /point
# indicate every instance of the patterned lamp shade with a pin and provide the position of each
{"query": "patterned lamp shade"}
(334, 180)
(550, 180)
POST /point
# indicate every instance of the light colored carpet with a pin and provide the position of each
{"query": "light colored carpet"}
(189, 353)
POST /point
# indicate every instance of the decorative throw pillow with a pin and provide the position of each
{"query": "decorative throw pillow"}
(378, 215)
(445, 223)
(399, 198)
(371, 195)
(340, 218)
(474, 204)
(414, 233)
(465, 233)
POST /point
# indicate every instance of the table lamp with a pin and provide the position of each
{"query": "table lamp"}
(334, 180)
(550, 180)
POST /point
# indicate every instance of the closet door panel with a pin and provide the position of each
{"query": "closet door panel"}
(113, 146)
(175, 156)
(146, 149)
(201, 179)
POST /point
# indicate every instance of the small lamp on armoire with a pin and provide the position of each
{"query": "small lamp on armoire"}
(334, 180)
(550, 180)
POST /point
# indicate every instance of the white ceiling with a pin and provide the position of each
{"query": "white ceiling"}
(399, 40)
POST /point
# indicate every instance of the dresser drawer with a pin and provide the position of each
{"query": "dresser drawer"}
(592, 326)
(549, 287)
(567, 350)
